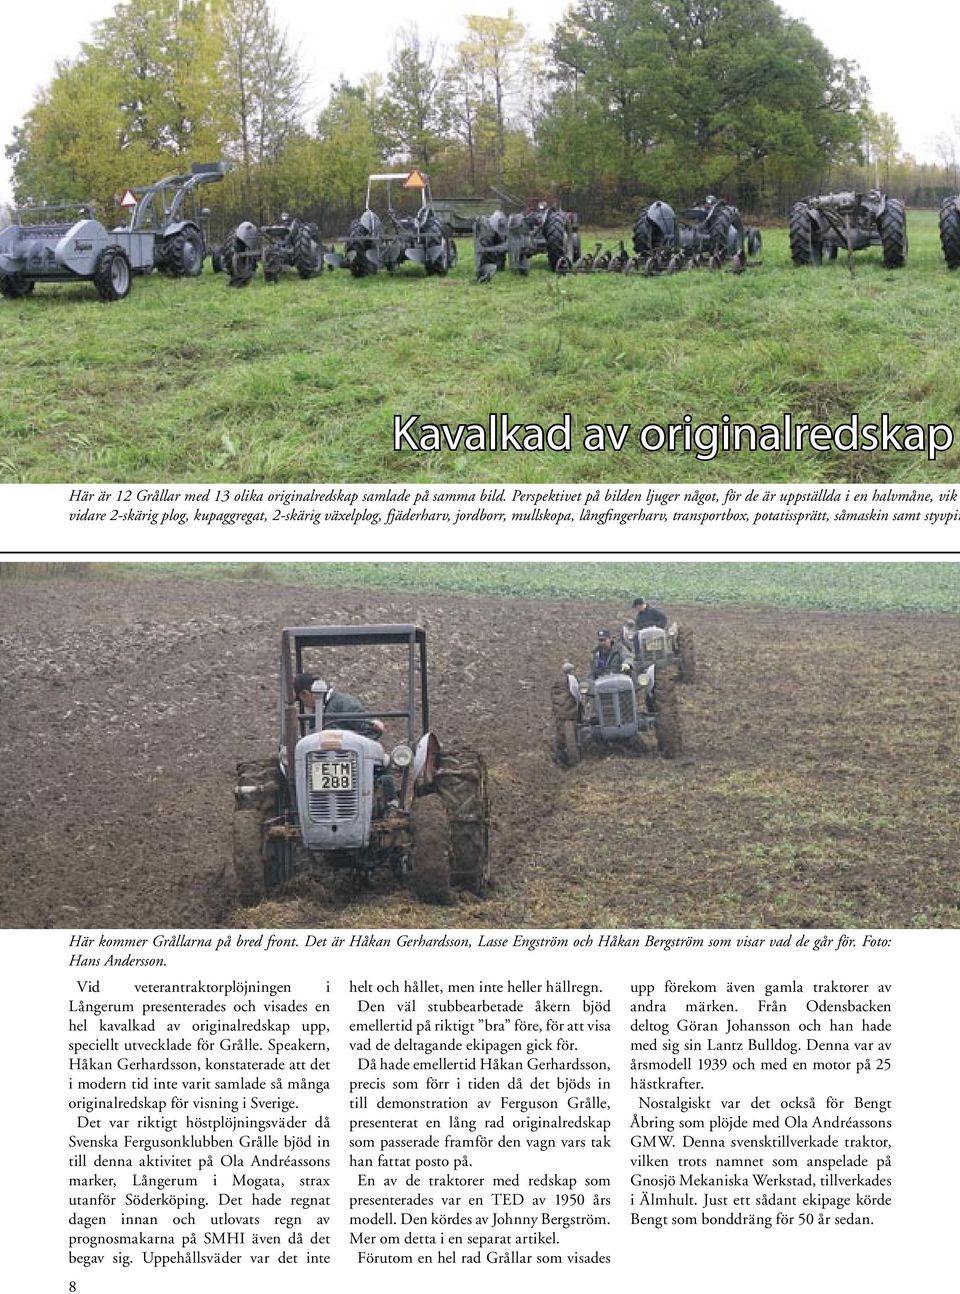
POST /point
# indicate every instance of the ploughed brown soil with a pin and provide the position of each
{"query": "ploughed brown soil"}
(818, 786)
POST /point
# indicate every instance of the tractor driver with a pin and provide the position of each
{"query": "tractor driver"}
(335, 706)
(608, 657)
(645, 616)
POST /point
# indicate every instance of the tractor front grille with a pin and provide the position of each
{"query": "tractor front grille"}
(616, 708)
(653, 645)
(334, 806)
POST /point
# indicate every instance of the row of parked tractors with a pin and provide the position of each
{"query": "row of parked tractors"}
(62, 244)
(711, 235)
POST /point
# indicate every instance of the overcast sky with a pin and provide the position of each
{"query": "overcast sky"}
(908, 51)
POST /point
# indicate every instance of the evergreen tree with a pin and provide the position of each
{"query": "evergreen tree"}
(412, 110)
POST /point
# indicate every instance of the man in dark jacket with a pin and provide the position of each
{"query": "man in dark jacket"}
(336, 705)
(645, 616)
(608, 657)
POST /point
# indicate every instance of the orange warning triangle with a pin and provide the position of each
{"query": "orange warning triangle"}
(415, 180)
(129, 199)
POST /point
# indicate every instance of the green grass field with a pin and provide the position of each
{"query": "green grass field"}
(824, 586)
(190, 381)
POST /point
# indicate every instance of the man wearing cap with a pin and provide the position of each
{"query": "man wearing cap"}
(645, 616)
(608, 657)
(335, 706)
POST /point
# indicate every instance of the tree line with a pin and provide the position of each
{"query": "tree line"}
(629, 99)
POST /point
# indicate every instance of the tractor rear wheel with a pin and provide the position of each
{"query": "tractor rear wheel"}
(892, 224)
(665, 707)
(950, 232)
(14, 288)
(111, 275)
(227, 253)
(556, 235)
(277, 862)
(805, 242)
(431, 849)
(307, 254)
(436, 248)
(720, 233)
(642, 242)
(567, 746)
(183, 254)
(248, 867)
(462, 786)
(360, 266)
(686, 651)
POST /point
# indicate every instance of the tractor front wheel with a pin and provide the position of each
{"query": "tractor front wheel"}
(950, 232)
(431, 850)
(111, 276)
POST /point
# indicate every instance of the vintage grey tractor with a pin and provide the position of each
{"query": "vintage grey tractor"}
(950, 231)
(541, 228)
(335, 796)
(386, 241)
(614, 709)
(290, 245)
(168, 208)
(64, 244)
(671, 647)
(821, 227)
(711, 234)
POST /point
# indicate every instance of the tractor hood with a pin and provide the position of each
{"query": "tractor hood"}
(342, 739)
(335, 775)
